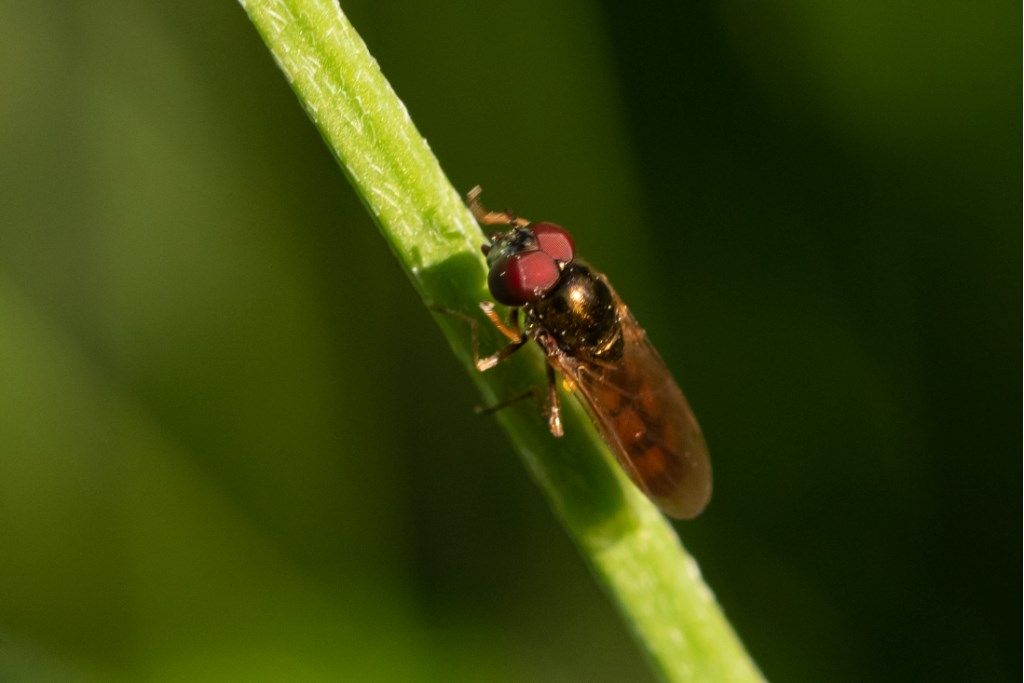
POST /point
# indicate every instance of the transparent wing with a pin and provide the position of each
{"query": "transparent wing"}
(645, 418)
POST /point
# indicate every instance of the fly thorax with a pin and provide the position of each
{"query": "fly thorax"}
(580, 313)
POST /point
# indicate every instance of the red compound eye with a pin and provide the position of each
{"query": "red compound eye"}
(554, 241)
(522, 278)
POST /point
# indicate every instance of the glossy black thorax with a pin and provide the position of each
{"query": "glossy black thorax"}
(580, 314)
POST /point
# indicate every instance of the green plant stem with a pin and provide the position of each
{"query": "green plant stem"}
(630, 546)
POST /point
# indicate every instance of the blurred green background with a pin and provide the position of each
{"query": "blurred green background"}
(234, 445)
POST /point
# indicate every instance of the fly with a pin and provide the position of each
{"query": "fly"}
(590, 337)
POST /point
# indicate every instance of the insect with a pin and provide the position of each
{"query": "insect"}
(589, 336)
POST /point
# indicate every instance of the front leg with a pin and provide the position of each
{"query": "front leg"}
(485, 217)
(510, 330)
(554, 412)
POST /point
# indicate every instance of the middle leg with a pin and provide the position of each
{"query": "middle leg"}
(554, 412)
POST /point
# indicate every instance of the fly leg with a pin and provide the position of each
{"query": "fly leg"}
(554, 412)
(485, 217)
(501, 405)
(510, 330)
(517, 339)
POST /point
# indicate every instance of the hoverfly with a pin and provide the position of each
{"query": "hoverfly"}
(589, 336)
